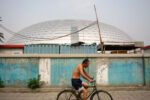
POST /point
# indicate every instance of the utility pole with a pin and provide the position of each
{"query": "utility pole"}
(101, 43)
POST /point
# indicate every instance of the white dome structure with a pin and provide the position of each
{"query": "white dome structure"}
(58, 32)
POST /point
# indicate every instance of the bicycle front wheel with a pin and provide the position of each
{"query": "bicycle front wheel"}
(101, 95)
(66, 95)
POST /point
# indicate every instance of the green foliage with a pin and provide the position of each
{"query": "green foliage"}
(35, 83)
(1, 83)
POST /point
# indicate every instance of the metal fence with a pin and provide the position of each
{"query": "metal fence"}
(59, 49)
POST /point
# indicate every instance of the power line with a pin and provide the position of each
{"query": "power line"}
(29, 38)
(74, 32)
(13, 33)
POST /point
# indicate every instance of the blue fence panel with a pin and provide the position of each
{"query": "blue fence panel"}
(82, 49)
(41, 49)
(127, 71)
(62, 68)
(147, 71)
(17, 71)
(64, 49)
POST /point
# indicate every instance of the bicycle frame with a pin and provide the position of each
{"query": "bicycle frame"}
(76, 94)
(94, 89)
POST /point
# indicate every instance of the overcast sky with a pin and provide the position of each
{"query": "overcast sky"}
(131, 16)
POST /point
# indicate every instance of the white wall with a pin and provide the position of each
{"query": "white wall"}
(147, 51)
(11, 50)
(44, 70)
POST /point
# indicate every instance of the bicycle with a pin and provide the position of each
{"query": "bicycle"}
(72, 94)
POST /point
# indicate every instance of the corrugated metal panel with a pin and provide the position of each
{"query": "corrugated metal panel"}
(17, 71)
(41, 49)
(147, 71)
(62, 68)
(125, 71)
(83, 49)
(120, 71)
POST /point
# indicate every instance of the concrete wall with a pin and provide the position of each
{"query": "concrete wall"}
(56, 70)
(11, 50)
(147, 51)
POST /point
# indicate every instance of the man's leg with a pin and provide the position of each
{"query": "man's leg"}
(84, 93)
(85, 84)
(84, 90)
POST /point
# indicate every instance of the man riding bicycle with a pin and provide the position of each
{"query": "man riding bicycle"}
(76, 81)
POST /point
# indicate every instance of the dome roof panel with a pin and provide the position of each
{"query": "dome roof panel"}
(46, 32)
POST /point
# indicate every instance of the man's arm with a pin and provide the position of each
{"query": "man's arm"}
(82, 74)
(87, 74)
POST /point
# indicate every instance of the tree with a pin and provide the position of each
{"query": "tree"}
(1, 37)
(1, 34)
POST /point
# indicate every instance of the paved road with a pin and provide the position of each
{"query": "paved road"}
(117, 95)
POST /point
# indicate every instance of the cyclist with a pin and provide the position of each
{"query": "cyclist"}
(77, 82)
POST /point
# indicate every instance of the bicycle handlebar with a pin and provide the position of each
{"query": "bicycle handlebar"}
(93, 83)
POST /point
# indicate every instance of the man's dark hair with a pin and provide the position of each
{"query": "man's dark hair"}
(86, 60)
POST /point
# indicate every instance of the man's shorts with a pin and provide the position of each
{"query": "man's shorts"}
(77, 84)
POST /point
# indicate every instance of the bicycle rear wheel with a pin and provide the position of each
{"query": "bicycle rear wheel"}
(101, 95)
(66, 95)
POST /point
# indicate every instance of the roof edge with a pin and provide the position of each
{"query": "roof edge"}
(12, 46)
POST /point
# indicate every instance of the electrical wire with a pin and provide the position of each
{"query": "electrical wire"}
(30, 38)
(13, 33)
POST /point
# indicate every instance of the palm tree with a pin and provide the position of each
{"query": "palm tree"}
(1, 37)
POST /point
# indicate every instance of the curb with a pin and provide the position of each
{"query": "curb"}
(58, 89)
